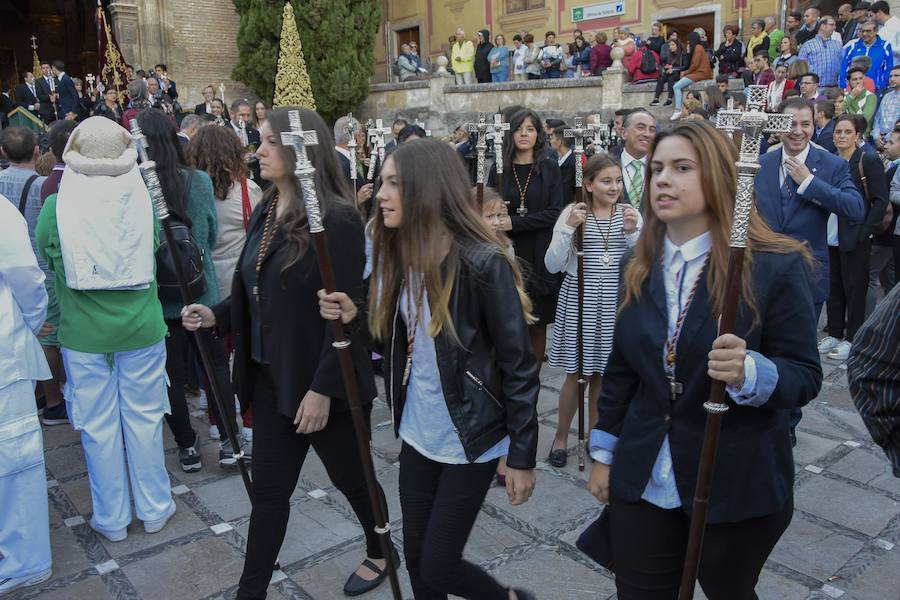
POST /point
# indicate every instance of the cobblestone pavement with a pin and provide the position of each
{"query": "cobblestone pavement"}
(844, 541)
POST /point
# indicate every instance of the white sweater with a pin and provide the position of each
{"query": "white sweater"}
(561, 252)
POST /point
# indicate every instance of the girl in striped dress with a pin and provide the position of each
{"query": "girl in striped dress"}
(610, 227)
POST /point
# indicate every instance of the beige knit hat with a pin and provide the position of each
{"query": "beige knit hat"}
(99, 146)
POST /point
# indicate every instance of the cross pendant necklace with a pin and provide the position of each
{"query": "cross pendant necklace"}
(605, 258)
(522, 192)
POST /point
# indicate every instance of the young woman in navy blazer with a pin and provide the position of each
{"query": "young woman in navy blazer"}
(646, 443)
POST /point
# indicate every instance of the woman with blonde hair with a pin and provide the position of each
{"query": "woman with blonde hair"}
(448, 304)
(646, 443)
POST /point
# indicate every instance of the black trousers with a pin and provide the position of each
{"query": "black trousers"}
(179, 345)
(666, 80)
(649, 545)
(278, 455)
(440, 503)
(848, 285)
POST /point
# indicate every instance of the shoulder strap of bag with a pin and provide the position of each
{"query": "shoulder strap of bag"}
(23, 199)
(862, 177)
(245, 203)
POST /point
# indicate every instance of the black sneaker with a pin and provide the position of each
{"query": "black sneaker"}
(668, 102)
(654, 102)
(55, 415)
(189, 459)
(226, 455)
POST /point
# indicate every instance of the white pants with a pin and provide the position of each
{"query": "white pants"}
(118, 401)
(24, 521)
(467, 78)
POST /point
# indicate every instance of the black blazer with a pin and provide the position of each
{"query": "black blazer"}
(850, 233)
(567, 173)
(825, 138)
(200, 109)
(24, 97)
(47, 112)
(68, 101)
(297, 341)
(754, 470)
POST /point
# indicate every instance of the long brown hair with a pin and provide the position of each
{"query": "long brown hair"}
(436, 199)
(218, 151)
(716, 156)
(330, 183)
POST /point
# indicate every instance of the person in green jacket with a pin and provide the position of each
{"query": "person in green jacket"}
(775, 37)
(98, 236)
(462, 59)
(859, 100)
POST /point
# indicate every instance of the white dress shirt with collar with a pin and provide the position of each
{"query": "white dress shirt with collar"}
(626, 160)
(562, 159)
(782, 172)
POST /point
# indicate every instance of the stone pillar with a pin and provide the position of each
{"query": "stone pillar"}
(438, 104)
(125, 26)
(614, 81)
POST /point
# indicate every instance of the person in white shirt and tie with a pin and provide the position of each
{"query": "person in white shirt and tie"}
(638, 133)
(45, 88)
(26, 94)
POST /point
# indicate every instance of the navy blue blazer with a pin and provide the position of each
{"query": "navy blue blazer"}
(754, 471)
(806, 216)
(68, 102)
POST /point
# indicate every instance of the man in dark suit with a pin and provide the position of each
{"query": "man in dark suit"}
(824, 118)
(26, 94)
(45, 87)
(165, 84)
(205, 107)
(241, 112)
(363, 188)
(798, 187)
(566, 160)
(396, 128)
(6, 106)
(68, 101)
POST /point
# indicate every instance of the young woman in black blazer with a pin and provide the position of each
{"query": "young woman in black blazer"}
(448, 305)
(532, 189)
(646, 444)
(285, 366)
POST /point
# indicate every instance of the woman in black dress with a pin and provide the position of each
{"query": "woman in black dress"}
(532, 189)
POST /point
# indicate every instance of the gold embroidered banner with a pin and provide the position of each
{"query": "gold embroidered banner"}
(111, 64)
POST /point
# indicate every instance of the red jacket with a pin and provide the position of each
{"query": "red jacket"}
(633, 64)
(600, 58)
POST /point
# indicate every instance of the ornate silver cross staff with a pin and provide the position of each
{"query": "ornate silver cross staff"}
(480, 149)
(579, 133)
(376, 135)
(90, 79)
(350, 130)
(298, 139)
(752, 124)
(496, 130)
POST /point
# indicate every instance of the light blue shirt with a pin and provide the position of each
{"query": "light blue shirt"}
(760, 373)
(12, 182)
(426, 424)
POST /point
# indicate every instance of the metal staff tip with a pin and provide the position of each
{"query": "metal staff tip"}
(148, 171)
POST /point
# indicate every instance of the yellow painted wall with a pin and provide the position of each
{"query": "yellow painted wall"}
(472, 15)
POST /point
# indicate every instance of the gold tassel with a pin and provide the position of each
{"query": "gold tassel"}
(292, 87)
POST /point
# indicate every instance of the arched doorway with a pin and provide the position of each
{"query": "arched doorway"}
(63, 29)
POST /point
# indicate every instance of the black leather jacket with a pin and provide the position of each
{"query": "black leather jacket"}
(490, 382)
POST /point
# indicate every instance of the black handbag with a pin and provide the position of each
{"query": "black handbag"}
(190, 258)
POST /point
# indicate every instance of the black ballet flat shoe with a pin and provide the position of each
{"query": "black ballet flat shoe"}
(524, 594)
(557, 458)
(357, 586)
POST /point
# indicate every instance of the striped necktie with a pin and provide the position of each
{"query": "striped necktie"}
(636, 190)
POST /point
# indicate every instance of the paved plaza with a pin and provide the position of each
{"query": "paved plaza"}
(844, 541)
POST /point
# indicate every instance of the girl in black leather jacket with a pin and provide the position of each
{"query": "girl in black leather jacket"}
(447, 303)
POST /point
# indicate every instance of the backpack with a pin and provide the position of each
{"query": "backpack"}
(190, 257)
(395, 67)
(649, 63)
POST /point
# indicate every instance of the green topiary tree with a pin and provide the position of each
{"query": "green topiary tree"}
(338, 38)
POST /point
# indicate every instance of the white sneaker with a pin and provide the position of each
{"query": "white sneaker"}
(675, 115)
(113, 536)
(202, 402)
(828, 344)
(840, 352)
(214, 432)
(9, 584)
(157, 525)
